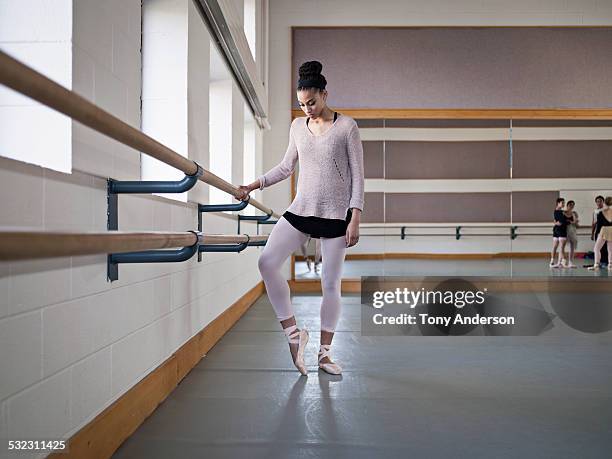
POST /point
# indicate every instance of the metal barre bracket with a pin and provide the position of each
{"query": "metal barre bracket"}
(458, 233)
(258, 218)
(219, 208)
(265, 222)
(116, 187)
(150, 256)
(155, 186)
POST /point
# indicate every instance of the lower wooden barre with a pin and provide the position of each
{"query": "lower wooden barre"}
(229, 238)
(24, 245)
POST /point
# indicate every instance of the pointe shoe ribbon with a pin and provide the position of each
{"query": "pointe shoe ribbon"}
(299, 337)
(331, 368)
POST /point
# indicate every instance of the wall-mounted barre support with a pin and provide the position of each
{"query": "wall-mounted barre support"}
(265, 222)
(116, 187)
(458, 232)
(150, 256)
(155, 186)
(513, 233)
(257, 243)
(218, 208)
(257, 218)
(224, 247)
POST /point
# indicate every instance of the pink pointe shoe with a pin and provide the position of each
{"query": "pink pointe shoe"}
(301, 339)
(331, 368)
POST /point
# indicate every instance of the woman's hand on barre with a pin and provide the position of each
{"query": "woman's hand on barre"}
(244, 192)
(246, 189)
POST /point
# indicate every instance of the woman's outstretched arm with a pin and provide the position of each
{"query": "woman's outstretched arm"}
(283, 169)
(279, 172)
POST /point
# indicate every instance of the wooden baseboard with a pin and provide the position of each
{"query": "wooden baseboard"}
(314, 286)
(354, 256)
(441, 256)
(494, 284)
(104, 434)
(465, 256)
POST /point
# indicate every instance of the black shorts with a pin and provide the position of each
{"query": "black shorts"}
(318, 227)
(560, 231)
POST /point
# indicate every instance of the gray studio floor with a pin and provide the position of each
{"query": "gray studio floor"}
(493, 267)
(403, 396)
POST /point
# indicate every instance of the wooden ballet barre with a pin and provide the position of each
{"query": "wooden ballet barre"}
(35, 85)
(23, 245)
(230, 238)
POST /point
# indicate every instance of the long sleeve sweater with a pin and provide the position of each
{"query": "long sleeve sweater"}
(331, 177)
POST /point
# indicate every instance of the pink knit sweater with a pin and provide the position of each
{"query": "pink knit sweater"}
(331, 175)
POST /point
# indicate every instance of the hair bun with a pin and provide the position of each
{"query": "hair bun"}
(310, 69)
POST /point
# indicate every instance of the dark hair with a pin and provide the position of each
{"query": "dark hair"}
(571, 202)
(560, 200)
(599, 197)
(310, 76)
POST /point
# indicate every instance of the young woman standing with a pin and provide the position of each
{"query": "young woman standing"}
(572, 231)
(559, 234)
(327, 205)
(604, 237)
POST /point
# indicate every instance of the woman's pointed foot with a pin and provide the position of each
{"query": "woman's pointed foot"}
(297, 344)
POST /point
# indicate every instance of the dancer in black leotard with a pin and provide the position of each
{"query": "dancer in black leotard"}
(604, 230)
(559, 234)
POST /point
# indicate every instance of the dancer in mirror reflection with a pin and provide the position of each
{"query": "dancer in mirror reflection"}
(327, 205)
(317, 255)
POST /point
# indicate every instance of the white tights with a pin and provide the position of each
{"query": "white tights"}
(282, 242)
(598, 246)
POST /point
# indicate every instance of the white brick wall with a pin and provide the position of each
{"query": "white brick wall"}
(3, 427)
(43, 410)
(90, 385)
(20, 352)
(26, 207)
(70, 342)
(107, 67)
(36, 283)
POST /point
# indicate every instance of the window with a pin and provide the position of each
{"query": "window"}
(250, 24)
(250, 145)
(30, 131)
(164, 85)
(220, 122)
